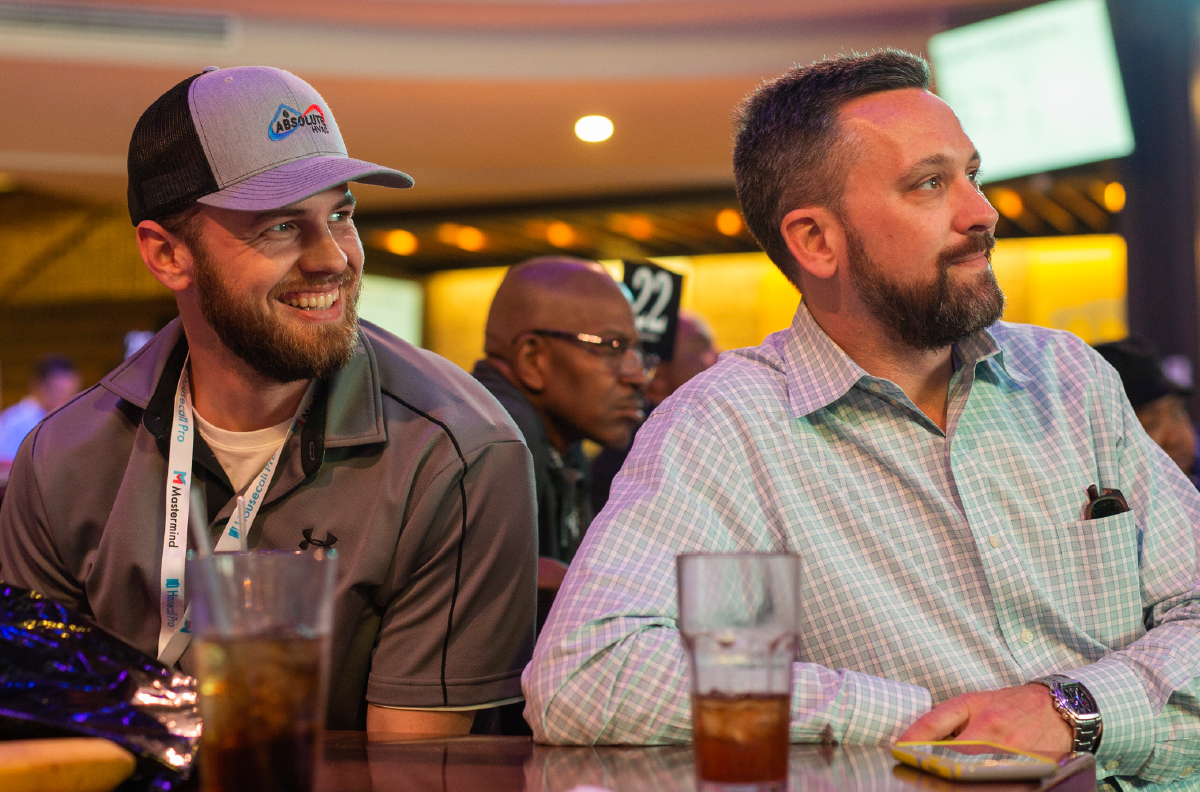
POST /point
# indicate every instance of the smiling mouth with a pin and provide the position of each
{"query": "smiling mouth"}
(311, 301)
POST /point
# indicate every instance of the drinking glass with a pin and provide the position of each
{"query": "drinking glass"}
(739, 619)
(262, 623)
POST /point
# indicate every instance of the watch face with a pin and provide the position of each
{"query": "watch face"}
(1077, 700)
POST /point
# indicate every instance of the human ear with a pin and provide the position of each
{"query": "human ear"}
(529, 363)
(165, 255)
(813, 237)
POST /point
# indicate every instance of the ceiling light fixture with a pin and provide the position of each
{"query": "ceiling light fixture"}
(593, 128)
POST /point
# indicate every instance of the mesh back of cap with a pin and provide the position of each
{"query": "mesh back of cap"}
(168, 170)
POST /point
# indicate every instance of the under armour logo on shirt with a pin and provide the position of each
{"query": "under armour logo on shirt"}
(328, 541)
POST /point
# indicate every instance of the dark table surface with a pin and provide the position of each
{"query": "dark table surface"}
(515, 764)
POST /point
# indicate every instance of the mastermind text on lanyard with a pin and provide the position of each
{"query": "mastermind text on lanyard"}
(174, 633)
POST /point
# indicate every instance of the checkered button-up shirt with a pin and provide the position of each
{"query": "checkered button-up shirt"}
(934, 563)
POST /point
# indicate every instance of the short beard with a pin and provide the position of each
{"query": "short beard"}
(929, 316)
(273, 350)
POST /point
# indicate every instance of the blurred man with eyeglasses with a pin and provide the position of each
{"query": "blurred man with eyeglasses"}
(563, 358)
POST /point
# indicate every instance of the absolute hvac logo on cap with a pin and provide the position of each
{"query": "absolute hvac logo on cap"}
(287, 120)
(203, 141)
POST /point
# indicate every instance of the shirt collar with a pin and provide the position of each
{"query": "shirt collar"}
(989, 345)
(347, 409)
(819, 372)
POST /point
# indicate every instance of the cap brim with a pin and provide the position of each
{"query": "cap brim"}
(295, 181)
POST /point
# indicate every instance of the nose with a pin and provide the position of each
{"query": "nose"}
(975, 213)
(322, 253)
(633, 368)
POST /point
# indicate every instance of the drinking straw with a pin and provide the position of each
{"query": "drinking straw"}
(198, 521)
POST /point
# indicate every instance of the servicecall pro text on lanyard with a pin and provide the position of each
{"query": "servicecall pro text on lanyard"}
(174, 632)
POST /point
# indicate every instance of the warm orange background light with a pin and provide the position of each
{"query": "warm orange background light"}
(561, 235)
(729, 222)
(1114, 197)
(1074, 283)
(400, 242)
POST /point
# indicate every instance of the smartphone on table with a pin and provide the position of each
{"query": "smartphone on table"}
(973, 760)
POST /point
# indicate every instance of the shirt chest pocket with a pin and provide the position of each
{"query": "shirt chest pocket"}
(1102, 595)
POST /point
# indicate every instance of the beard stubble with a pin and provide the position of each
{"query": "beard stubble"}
(264, 342)
(932, 315)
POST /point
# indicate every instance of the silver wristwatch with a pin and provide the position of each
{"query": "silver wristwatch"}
(1077, 707)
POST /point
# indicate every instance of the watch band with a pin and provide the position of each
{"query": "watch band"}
(1075, 703)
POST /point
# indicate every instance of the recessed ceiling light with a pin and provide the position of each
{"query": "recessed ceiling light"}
(593, 128)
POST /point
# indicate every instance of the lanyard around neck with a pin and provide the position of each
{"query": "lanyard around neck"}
(174, 631)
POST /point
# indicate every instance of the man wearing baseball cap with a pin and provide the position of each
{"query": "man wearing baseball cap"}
(333, 431)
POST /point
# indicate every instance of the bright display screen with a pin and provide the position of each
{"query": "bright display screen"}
(1037, 89)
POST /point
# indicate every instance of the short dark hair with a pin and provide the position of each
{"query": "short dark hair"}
(788, 151)
(51, 365)
(183, 223)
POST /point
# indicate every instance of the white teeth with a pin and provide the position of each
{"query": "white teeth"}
(319, 302)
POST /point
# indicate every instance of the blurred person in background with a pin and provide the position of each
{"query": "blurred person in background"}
(1159, 403)
(694, 352)
(563, 357)
(238, 191)
(55, 381)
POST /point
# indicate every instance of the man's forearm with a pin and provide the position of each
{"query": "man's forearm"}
(635, 690)
(430, 723)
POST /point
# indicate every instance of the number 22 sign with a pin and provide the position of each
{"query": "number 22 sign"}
(656, 292)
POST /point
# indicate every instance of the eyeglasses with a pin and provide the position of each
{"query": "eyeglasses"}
(613, 350)
(1104, 503)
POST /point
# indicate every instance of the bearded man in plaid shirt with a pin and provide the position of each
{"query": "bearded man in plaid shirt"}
(930, 464)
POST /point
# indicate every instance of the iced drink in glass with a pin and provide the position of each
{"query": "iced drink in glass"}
(738, 616)
(263, 669)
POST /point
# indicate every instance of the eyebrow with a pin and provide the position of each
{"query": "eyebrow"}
(291, 210)
(933, 161)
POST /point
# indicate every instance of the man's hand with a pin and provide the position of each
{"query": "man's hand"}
(1017, 717)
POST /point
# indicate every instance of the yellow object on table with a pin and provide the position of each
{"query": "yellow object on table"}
(66, 764)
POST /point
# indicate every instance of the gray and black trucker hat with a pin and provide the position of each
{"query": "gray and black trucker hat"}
(251, 138)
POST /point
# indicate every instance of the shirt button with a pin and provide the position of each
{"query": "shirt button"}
(1185, 772)
(994, 540)
(1026, 636)
(1113, 765)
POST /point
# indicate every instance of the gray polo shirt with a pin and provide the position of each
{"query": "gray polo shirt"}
(398, 443)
